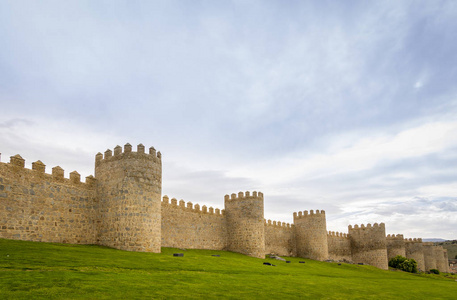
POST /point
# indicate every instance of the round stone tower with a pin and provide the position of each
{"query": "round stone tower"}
(368, 244)
(429, 256)
(245, 224)
(415, 250)
(439, 258)
(129, 187)
(311, 234)
(446, 259)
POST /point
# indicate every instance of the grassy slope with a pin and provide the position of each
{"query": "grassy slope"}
(61, 271)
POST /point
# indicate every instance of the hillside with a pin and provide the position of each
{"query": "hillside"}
(31, 270)
(451, 247)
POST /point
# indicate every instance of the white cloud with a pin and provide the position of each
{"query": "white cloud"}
(366, 151)
(54, 142)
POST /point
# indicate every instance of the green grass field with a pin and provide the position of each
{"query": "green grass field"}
(30, 270)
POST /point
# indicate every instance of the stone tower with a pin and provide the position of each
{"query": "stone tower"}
(311, 235)
(129, 187)
(429, 256)
(441, 263)
(395, 245)
(446, 260)
(368, 244)
(415, 250)
(245, 224)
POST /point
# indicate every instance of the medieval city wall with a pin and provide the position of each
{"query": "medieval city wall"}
(415, 250)
(122, 208)
(36, 206)
(439, 258)
(191, 227)
(279, 238)
(368, 244)
(339, 246)
(429, 256)
(446, 259)
(395, 245)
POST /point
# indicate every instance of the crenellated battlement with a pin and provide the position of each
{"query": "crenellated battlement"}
(241, 196)
(278, 224)
(395, 237)
(38, 171)
(305, 214)
(368, 226)
(117, 154)
(414, 240)
(190, 207)
(337, 234)
(395, 245)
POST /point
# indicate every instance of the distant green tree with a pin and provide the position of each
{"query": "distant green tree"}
(434, 271)
(404, 264)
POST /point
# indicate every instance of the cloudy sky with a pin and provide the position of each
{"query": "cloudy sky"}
(346, 106)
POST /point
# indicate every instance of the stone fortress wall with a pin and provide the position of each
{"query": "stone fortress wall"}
(429, 256)
(339, 246)
(414, 249)
(191, 226)
(368, 244)
(395, 245)
(121, 207)
(36, 206)
(280, 238)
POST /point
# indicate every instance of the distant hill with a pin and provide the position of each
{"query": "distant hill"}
(451, 247)
(433, 240)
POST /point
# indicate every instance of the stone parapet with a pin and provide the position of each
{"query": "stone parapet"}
(190, 207)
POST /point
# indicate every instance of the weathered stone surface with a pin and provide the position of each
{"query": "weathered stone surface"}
(415, 250)
(245, 224)
(368, 245)
(189, 227)
(339, 246)
(38, 207)
(129, 187)
(311, 234)
(429, 256)
(395, 245)
(280, 238)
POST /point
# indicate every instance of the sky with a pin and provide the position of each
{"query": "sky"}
(344, 106)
